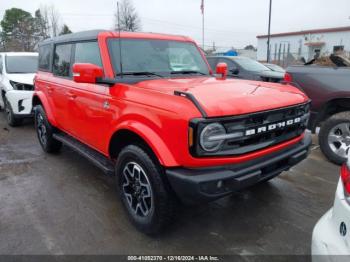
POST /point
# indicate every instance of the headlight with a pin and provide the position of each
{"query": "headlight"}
(212, 137)
(16, 86)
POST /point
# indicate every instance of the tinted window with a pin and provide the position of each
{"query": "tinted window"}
(0, 64)
(230, 65)
(21, 64)
(212, 62)
(44, 57)
(61, 62)
(87, 52)
(250, 64)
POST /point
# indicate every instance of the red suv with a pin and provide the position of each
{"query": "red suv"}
(147, 109)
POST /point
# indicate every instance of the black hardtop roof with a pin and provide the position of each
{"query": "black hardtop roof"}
(80, 36)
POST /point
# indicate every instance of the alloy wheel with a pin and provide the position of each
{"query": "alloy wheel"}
(339, 139)
(137, 189)
(42, 131)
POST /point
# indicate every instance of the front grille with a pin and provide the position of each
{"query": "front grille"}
(256, 130)
(25, 87)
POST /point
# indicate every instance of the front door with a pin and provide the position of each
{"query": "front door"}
(88, 104)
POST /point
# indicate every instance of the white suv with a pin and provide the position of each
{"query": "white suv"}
(331, 235)
(17, 71)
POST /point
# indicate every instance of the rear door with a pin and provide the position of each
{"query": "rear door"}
(59, 85)
(1, 79)
(89, 114)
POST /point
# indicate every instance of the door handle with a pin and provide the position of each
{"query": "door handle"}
(49, 89)
(71, 95)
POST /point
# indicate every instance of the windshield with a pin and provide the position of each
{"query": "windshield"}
(21, 64)
(250, 64)
(160, 57)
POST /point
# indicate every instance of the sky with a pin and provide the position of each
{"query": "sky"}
(228, 23)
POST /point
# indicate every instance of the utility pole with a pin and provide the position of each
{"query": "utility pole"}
(202, 9)
(269, 34)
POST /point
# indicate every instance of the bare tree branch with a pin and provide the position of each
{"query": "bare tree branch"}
(129, 19)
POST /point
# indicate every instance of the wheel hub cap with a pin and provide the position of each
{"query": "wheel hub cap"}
(41, 128)
(137, 189)
(339, 139)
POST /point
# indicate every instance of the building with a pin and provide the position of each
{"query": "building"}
(303, 44)
(234, 52)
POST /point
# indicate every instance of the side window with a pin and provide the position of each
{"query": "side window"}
(44, 57)
(87, 52)
(212, 62)
(230, 65)
(61, 60)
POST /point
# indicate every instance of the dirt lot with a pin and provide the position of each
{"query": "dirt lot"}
(62, 204)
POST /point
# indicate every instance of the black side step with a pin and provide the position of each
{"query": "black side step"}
(95, 157)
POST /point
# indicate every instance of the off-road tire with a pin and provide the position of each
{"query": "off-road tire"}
(334, 120)
(47, 142)
(164, 202)
(12, 120)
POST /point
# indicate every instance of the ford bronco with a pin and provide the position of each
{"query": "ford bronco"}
(148, 109)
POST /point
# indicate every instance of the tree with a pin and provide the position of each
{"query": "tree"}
(18, 28)
(65, 30)
(129, 19)
(42, 26)
(51, 18)
(249, 47)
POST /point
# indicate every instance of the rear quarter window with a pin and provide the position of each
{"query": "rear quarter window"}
(62, 60)
(44, 57)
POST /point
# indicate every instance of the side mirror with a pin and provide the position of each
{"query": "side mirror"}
(86, 73)
(221, 70)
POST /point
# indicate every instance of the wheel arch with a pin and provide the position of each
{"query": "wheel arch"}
(40, 99)
(147, 138)
(330, 108)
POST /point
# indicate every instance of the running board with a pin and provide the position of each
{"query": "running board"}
(92, 155)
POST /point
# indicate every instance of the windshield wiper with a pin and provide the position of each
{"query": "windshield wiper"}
(187, 72)
(144, 73)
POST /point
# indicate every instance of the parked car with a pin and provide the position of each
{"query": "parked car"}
(329, 90)
(246, 68)
(331, 236)
(144, 107)
(275, 68)
(17, 72)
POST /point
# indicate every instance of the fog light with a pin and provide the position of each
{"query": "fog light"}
(20, 106)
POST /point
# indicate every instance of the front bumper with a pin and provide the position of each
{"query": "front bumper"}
(207, 184)
(21, 102)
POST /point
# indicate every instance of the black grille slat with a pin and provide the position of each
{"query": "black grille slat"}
(257, 141)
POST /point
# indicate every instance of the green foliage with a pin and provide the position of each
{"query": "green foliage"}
(18, 29)
(65, 30)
